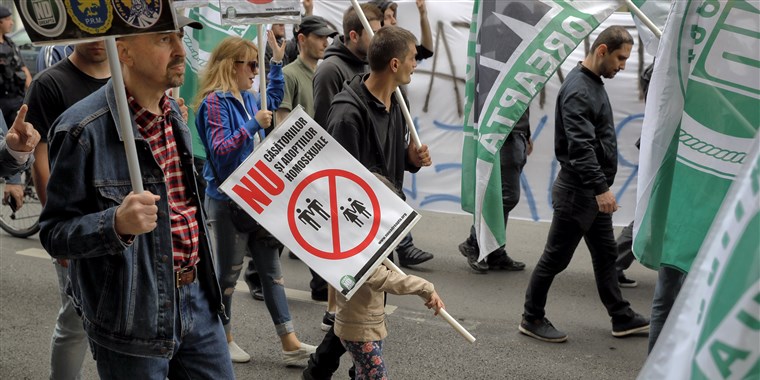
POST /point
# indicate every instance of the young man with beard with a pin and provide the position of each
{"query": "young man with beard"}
(299, 75)
(586, 147)
(140, 266)
(51, 93)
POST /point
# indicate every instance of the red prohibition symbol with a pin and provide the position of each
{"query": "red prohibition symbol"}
(337, 252)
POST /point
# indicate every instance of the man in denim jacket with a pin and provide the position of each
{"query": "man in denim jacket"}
(141, 271)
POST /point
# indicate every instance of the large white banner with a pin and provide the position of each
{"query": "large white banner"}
(318, 200)
(436, 95)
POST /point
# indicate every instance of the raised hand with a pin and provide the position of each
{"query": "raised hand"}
(22, 137)
(278, 51)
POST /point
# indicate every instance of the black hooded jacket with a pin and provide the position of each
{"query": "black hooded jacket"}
(374, 136)
(339, 65)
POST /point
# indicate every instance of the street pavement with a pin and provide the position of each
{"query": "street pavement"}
(419, 346)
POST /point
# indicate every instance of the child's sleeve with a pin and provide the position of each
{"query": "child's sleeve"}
(388, 281)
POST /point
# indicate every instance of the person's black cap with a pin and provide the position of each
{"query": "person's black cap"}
(183, 21)
(383, 4)
(316, 25)
(4, 12)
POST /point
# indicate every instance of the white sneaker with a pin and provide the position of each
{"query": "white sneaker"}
(237, 354)
(298, 356)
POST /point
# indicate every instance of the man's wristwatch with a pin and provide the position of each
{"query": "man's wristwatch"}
(273, 62)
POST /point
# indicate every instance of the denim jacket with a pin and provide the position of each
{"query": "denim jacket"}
(125, 293)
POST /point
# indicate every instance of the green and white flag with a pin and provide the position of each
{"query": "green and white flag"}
(701, 118)
(713, 331)
(199, 44)
(514, 48)
(657, 12)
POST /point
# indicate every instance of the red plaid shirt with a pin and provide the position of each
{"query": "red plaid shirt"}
(157, 130)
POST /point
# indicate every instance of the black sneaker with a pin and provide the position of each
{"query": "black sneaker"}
(634, 325)
(412, 256)
(542, 329)
(626, 282)
(471, 253)
(255, 289)
(500, 260)
(327, 321)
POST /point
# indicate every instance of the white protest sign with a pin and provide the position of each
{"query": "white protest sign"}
(246, 12)
(318, 200)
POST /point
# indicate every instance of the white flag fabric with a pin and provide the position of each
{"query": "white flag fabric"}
(514, 48)
(713, 330)
(701, 117)
(657, 12)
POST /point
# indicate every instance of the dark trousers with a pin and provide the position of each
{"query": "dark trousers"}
(576, 216)
(326, 360)
(625, 254)
(512, 158)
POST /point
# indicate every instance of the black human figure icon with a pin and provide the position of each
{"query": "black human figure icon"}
(316, 206)
(305, 217)
(351, 216)
(358, 206)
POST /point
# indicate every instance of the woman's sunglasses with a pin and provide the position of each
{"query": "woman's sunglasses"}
(252, 64)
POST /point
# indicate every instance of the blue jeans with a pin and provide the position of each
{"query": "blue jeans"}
(68, 345)
(230, 247)
(200, 347)
(669, 281)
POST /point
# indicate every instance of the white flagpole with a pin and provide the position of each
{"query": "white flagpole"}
(443, 313)
(399, 97)
(262, 67)
(125, 121)
(657, 32)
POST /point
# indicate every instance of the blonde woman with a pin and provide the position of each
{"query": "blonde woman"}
(230, 124)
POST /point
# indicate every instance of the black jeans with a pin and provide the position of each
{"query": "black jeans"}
(326, 360)
(576, 216)
(625, 254)
(512, 158)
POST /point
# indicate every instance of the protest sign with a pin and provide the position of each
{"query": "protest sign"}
(318, 200)
(246, 12)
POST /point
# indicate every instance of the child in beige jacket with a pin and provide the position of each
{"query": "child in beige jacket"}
(360, 322)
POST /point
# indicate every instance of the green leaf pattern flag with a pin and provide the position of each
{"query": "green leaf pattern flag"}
(514, 48)
(713, 331)
(701, 118)
(199, 44)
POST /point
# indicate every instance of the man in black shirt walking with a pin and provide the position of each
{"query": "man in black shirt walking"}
(586, 147)
(52, 92)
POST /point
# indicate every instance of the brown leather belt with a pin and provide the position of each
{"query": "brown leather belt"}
(185, 276)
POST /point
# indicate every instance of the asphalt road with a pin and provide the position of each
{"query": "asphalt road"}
(419, 346)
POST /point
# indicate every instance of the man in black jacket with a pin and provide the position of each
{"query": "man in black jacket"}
(366, 120)
(586, 147)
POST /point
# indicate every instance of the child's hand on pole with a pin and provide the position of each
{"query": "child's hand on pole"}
(435, 302)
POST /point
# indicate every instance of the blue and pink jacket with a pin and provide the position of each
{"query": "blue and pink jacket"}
(228, 133)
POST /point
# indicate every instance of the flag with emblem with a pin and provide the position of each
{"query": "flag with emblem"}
(701, 118)
(503, 74)
(657, 12)
(713, 330)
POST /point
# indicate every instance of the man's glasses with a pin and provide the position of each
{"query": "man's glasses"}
(252, 64)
